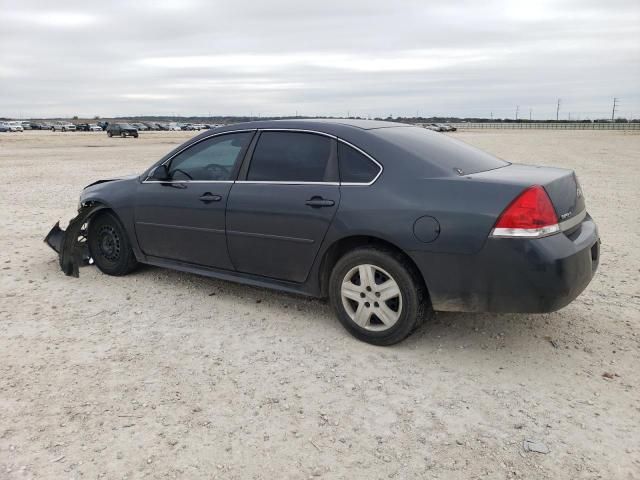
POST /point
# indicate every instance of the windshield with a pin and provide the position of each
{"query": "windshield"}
(452, 156)
(126, 125)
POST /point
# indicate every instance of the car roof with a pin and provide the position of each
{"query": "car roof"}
(327, 125)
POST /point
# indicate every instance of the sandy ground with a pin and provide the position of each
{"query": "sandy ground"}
(168, 375)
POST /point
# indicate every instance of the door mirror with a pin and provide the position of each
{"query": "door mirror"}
(160, 173)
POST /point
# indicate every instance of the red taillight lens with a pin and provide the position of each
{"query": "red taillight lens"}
(531, 214)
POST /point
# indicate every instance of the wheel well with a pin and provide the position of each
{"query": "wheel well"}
(344, 245)
(106, 209)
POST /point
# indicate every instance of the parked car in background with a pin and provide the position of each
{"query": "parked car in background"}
(152, 126)
(122, 130)
(15, 126)
(445, 127)
(63, 126)
(103, 125)
(82, 127)
(93, 127)
(175, 127)
(141, 127)
(4, 127)
(198, 126)
(388, 220)
(26, 125)
(40, 126)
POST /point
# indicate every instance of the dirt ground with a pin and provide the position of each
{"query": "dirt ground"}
(168, 375)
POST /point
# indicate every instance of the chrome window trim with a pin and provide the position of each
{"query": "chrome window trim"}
(284, 182)
(360, 184)
(188, 181)
(217, 134)
(275, 182)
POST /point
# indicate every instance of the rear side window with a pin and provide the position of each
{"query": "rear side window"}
(290, 157)
(354, 166)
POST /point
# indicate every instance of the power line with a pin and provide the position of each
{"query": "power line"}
(558, 110)
(613, 111)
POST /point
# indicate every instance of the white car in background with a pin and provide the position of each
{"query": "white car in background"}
(15, 126)
(94, 128)
(63, 127)
(174, 127)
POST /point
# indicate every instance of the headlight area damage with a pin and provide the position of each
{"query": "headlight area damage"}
(71, 245)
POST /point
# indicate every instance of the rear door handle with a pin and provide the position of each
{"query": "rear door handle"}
(317, 202)
(209, 197)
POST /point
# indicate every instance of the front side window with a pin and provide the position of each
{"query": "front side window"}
(354, 166)
(211, 159)
(290, 157)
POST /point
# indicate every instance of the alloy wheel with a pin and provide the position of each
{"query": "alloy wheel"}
(371, 297)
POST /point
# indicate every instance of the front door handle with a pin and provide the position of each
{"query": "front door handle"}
(317, 202)
(209, 197)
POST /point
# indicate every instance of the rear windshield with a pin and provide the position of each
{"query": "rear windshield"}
(452, 156)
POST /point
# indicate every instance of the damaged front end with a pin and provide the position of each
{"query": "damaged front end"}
(71, 245)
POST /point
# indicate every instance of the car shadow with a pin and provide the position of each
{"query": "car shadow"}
(511, 334)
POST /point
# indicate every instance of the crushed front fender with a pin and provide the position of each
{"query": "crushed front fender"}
(71, 245)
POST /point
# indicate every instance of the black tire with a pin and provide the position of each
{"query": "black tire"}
(109, 134)
(109, 245)
(135, 136)
(123, 134)
(413, 301)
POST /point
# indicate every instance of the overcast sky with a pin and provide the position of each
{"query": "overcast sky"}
(279, 57)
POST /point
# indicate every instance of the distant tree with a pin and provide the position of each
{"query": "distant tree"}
(97, 117)
(75, 117)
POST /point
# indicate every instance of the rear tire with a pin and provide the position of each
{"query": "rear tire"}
(123, 135)
(384, 307)
(109, 245)
(109, 134)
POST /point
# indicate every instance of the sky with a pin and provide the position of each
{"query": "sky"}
(371, 58)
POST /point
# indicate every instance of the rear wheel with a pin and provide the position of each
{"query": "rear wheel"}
(123, 134)
(109, 134)
(109, 245)
(377, 295)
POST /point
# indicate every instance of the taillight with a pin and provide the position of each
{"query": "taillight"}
(530, 215)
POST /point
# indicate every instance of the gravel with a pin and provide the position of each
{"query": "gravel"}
(169, 375)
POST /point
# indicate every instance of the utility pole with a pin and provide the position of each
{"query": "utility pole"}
(530, 110)
(517, 108)
(558, 110)
(613, 112)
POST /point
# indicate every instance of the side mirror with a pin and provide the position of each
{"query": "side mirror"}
(160, 173)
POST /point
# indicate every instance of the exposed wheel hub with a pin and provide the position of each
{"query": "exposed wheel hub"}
(109, 243)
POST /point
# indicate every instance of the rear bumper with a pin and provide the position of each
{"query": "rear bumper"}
(514, 275)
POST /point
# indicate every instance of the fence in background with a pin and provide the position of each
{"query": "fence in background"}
(551, 126)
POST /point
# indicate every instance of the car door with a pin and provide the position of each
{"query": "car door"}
(280, 208)
(183, 218)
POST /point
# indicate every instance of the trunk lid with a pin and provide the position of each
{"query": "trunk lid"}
(561, 185)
